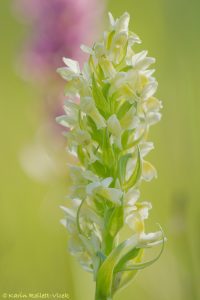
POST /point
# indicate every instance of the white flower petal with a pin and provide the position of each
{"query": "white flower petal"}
(133, 38)
(107, 181)
(70, 213)
(152, 105)
(63, 222)
(87, 49)
(92, 186)
(130, 120)
(150, 239)
(111, 19)
(86, 72)
(72, 64)
(90, 176)
(111, 194)
(145, 148)
(99, 50)
(88, 106)
(107, 67)
(66, 73)
(137, 58)
(149, 90)
(114, 126)
(75, 245)
(143, 209)
(123, 22)
(132, 196)
(148, 171)
(141, 62)
(153, 117)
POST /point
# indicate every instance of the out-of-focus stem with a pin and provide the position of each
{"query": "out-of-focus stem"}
(99, 297)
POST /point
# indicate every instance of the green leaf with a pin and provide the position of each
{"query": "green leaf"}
(122, 56)
(100, 73)
(121, 280)
(107, 151)
(109, 39)
(136, 173)
(95, 133)
(125, 271)
(99, 169)
(127, 145)
(127, 68)
(124, 108)
(122, 167)
(126, 136)
(96, 70)
(81, 154)
(99, 205)
(105, 274)
(99, 98)
(114, 221)
(133, 253)
(91, 64)
(105, 89)
(78, 218)
(139, 266)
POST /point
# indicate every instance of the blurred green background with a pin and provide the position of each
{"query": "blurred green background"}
(33, 245)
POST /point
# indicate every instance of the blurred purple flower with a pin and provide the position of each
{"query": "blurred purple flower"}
(55, 28)
(58, 27)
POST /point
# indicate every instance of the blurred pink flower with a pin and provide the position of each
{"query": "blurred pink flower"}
(55, 28)
(58, 28)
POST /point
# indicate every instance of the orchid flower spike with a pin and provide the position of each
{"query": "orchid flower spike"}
(110, 109)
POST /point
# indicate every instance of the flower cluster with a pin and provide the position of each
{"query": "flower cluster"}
(110, 109)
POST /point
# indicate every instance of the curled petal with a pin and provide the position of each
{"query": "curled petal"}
(148, 171)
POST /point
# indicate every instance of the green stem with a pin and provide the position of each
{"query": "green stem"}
(100, 297)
